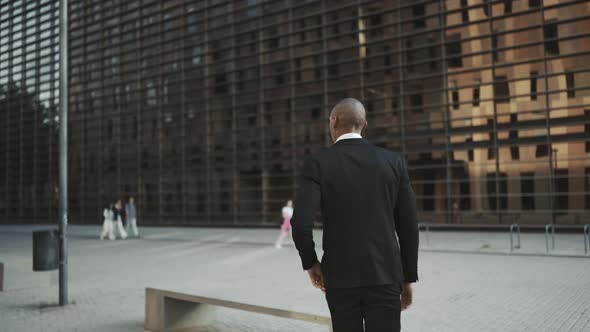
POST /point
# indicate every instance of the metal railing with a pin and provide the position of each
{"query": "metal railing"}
(514, 230)
(586, 238)
(549, 227)
(515, 235)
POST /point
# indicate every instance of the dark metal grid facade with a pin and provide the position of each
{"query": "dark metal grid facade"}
(205, 110)
(29, 65)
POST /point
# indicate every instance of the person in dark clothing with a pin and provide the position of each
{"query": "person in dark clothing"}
(370, 232)
(118, 215)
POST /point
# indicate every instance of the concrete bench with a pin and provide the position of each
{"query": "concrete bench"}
(172, 311)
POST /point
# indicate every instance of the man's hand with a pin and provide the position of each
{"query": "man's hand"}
(316, 276)
(407, 295)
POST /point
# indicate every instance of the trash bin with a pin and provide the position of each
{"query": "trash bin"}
(45, 250)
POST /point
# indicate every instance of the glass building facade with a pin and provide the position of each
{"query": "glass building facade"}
(29, 100)
(205, 110)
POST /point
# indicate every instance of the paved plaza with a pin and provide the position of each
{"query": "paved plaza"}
(468, 281)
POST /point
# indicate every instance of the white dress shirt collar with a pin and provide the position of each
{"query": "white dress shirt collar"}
(348, 136)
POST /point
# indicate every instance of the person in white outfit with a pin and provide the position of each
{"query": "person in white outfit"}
(131, 213)
(287, 213)
(118, 219)
(107, 224)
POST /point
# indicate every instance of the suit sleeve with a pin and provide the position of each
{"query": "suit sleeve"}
(307, 204)
(406, 224)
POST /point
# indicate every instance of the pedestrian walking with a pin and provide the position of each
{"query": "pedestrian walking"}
(131, 214)
(118, 215)
(287, 213)
(107, 224)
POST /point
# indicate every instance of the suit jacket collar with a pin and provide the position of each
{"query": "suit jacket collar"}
(351, 141)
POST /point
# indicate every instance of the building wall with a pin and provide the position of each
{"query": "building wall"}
(530, 137)
(28, 103)
(205, 110)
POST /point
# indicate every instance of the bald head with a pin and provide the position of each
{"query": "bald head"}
(347, 116)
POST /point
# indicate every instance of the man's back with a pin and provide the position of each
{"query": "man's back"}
(359, 186)
(359, 189)
(365, 198)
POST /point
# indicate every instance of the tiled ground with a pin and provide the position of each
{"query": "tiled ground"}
(457, 291)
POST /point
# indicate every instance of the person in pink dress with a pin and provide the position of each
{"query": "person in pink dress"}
(287, 213)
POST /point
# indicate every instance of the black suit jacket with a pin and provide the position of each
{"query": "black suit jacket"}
(365, 199)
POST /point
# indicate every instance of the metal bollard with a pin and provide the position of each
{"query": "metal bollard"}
(513, 228)
(427, 230)
(586, 238)
(547, 228)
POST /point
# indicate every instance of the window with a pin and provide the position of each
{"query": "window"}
(193, 24)
(571, 84)
(151, 93)
(501, 89)
(475, 98)
(491, 190)
(493, 193)
(252, 121)
(418, 11)
(491, 150)
(470, 151)
(534, 76)
(318, 69)
(280, 77)
(335, 27)
(416, 102)
(197, 55)
(134, 127)
(587, 129)
(455, 97)
(513, 136)
(315, 113)
(507, 6)
(115, 66)
(465, 190)
(409, 56)
(387, 59)
(110, 129)
(542, 151)
(561, 189)
(534, 3)
(220, 83)
(375, 20)
(494, 46)
(273, 43)
(503, 181)
(433, 54)
(375, 23)
(428, 200)
(464, 11)
(454, 51)
(527, 189)
(550, 34)
(333, 68)
(395, 100)
(252, 10)
(298, 69)
(301, 24)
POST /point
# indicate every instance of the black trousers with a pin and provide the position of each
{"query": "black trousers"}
(370, 309)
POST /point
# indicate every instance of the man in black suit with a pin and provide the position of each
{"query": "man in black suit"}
(365, 199)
